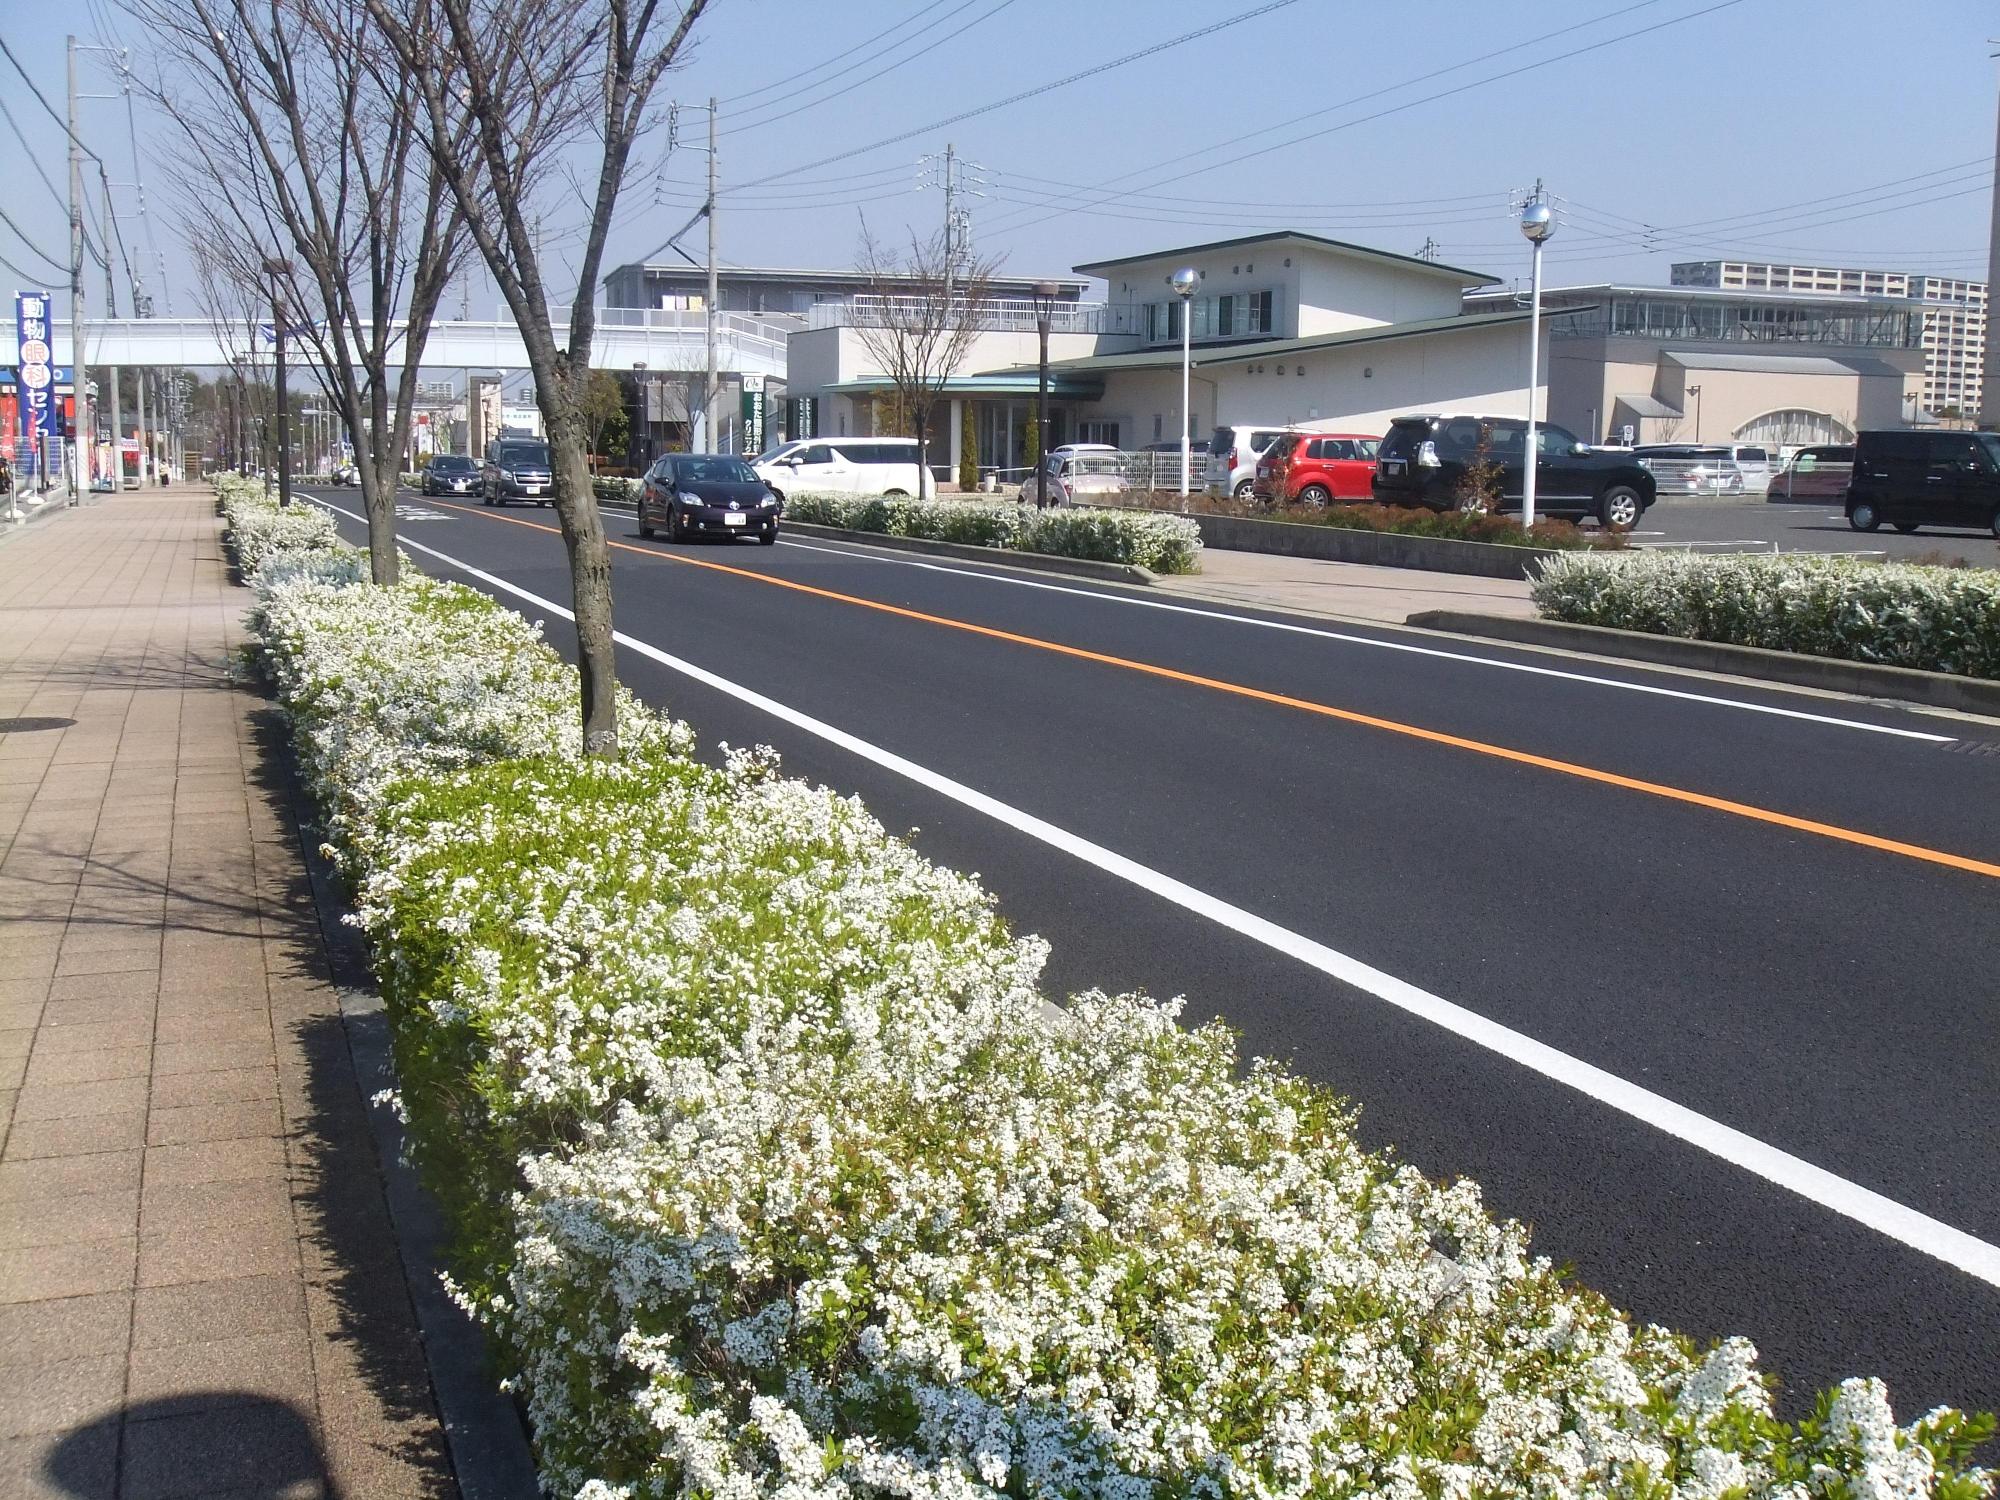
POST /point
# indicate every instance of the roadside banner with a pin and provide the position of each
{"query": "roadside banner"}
(37, 378)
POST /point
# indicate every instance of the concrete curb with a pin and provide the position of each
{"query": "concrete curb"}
(1973, 695)
(1076, 567)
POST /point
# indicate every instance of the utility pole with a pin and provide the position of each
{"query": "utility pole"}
(1989, 380)
(1428, 250)
(708, 402)
(79, 374)
(950, 223)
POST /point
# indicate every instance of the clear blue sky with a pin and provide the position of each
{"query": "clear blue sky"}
(1776, 128)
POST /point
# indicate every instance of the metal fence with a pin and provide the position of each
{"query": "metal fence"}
(994, 315)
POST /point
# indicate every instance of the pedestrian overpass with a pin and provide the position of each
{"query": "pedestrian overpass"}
(660, 339)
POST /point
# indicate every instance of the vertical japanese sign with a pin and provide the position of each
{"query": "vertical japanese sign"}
(37, 378)
(753, 414)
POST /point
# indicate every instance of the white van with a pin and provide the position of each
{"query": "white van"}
(844, 466)
(1232, 457)
(1754, 459)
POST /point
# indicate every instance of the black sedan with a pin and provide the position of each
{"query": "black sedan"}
(707, 494)
(450, 474)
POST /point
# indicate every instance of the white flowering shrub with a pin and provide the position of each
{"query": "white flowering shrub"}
(1896, 614)
(258, 528)
(774, 1180)
(1152, 539)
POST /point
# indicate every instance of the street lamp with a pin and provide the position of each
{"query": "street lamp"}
(1695, 391)
(1538, 222)
(278, 269)
(1046, 293)
(1184, 281)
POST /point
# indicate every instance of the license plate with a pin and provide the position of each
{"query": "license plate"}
(1392, 466)
(531, 489)
(734, 520)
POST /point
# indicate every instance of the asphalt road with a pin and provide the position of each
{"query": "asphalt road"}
(1697, 979)
(1801, 526)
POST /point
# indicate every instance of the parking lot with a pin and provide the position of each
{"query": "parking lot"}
(1801, 526)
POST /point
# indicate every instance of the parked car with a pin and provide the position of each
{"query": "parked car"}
(1315, 468)
(1094, 475)
(516, 469)
(707, 494)
(1692, 468)
(450, 474)
(1423, 460)
(1232, 458)
(1754, 459)
(1819, 473)
(845, 466)
(1912, 479)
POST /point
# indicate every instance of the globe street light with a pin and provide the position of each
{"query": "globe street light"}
(1184, 281)
(1538, 222)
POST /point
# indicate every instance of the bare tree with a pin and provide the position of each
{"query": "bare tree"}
(295, 136)
(234, 306)
(925, 312)
(521, 80)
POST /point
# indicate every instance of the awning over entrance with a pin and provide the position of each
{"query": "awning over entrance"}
(1647, 406)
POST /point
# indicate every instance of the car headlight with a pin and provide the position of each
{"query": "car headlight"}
(686, 499)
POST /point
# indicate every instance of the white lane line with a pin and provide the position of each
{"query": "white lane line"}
(1415, 650)
(1850, 1200)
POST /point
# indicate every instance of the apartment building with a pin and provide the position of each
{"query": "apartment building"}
(1954, 330)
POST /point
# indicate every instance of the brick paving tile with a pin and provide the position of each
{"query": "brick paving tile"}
(199, 1288)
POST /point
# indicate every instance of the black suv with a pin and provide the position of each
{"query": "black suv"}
(1912, 479)
(1423, 460)
(517, 469)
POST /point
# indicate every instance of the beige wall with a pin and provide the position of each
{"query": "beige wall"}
(1593, 373)
(1344, 390)
(816, 358)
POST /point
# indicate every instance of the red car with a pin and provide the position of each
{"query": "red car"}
(1314, 468)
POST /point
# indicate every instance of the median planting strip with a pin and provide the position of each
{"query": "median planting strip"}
(772, 1178)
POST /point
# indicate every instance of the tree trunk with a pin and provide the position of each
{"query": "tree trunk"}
(379, 499)
(589, 576)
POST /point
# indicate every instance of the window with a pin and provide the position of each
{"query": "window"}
(1959, 452)
(1097, 432)
(1507, 441)
(1553, 442)
(816, 453)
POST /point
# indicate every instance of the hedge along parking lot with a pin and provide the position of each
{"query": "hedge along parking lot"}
(770, 1177)
(1161, 543)
(1893, 614)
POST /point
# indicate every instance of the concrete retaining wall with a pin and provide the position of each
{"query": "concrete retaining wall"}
(1382, 549)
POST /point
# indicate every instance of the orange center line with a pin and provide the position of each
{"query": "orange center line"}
(1324, 710)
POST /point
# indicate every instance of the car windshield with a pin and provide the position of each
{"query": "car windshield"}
(713, 471)
(452, 464)
(772, 455)
(524, 455)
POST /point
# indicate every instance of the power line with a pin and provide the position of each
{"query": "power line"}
(1527, 67)
(36, 89)
(1103, 67)
(867, 78)
(828, 62)
(61, 269)
(29, 150)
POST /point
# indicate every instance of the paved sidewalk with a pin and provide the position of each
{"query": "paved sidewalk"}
(1344, 591)
(200, 1292)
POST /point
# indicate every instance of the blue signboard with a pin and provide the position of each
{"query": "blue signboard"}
(37, 375)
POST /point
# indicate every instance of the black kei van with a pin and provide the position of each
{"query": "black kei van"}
(1912, 479)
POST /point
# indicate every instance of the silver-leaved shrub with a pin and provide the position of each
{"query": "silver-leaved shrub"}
(1151, 539)
(1895, 614)
(774, 1179)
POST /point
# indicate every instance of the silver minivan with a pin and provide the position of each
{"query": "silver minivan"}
(1232, 457)
(1754, 459)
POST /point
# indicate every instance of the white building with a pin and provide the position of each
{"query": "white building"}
(1954, 330)
(1287, 328)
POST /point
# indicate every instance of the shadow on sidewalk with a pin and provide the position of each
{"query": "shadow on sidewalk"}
(354, 1265)
(202, 1443)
